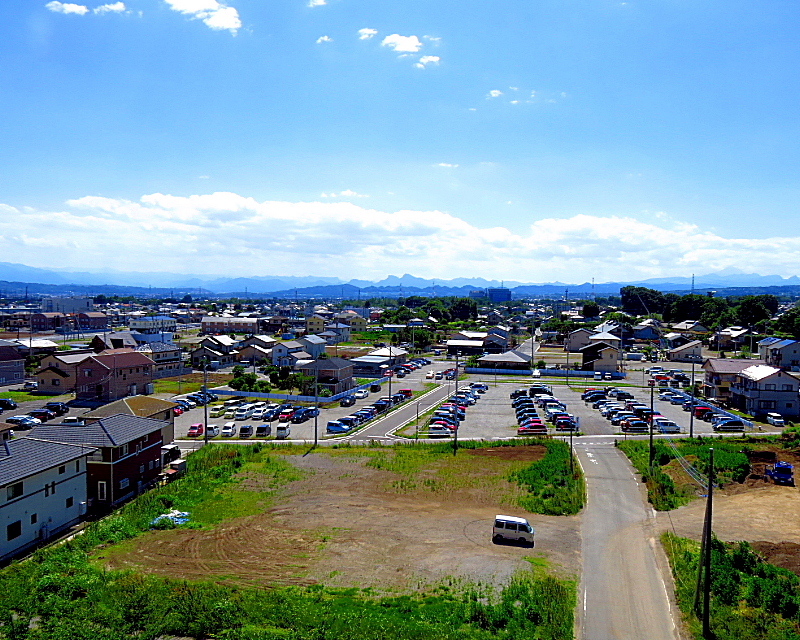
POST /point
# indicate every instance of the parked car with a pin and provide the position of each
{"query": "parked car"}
(195, 430)
(245, 431)
(438, 431)
(775, 419)
(347, 401)
(283, 431)
(361, 394)
(23, 421)
(43, 414)
(263, 430)
(213, 430)
(229, 430)
(7, 403)
(59, 408)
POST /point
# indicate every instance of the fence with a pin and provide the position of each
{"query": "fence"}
(294, 398)
(556, 373)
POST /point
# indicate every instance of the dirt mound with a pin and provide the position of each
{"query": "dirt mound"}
(522, 454)
(782, 554)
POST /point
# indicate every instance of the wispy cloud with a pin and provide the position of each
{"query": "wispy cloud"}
(322, 39)
(215, 15)
(366, 34)
(402, 44)
(316, 3)
(424, 61)
(347, 193)
(494, 93)
(115, 7)
(446, 164)
(67, 7)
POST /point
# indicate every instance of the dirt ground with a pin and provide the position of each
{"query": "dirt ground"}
(344, 525)
(762, 513)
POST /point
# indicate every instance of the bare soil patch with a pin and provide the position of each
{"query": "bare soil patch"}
(783, 554)
(522, 454)
(348, 524)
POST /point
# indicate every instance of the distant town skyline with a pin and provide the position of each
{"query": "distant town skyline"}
(532, 142)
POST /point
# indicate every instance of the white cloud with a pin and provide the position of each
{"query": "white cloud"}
(316, 3)
(347, 193)
(366, 34)
(424, 61)
(201, 232)
(214, 14)
(432, 38)
(322, 39)
(67, 7)
(402, 44)
(446, 164)
(494, 93)
(115, 7)
(515, 102)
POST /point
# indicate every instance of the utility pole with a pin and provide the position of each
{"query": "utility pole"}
(652, 451)
(704, 564)
(455, 409)
(691, 406)
(205, 400)
(316, 403)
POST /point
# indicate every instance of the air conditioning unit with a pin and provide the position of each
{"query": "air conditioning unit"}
(149, 388)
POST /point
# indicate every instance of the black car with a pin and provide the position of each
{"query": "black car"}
(263, 430)
(245, 431)
(42, 414)
(347, 401)
(7, 403)
(58, 407)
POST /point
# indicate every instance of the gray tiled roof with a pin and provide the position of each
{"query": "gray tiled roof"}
(108, 432)
(23, 457)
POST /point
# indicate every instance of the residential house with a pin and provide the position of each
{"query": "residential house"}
(44, 490)
(35, 346)
(315, 324)
(496, 343)
(730, 338)
(154, 324)
(396, 355)
(114, 340)
(220, 349)
(215, 325)
(414, 322)
(690, 327)
(689, 352)
(313, 345)
(606, 337)
(510, 360)
(673, 339)
(646, 331)
(761, 389)
(48, 321)
(91, 321)
(764, 345)
(113, 374)
(720, 375)
(352, 320)
(273, 325)
(577, 340)
(333, 374)
(784, 354)
(69, 305)
(12, 365)
(58, 372)
(142, 407)
(167, 359)
(287, 353)
(127, 459)
(465, 347)
(600, 356)
(340, 329)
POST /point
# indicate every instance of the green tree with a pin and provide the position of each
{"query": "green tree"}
(688, 307)
(591, 310)
(789, 322)
(641, 300)
(464, 309)
(753, 310)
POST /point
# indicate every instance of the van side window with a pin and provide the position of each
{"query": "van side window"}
(499, 524)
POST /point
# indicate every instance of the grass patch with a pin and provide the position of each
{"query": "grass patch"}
(663, 491)
(60, 593)
(26, 396)
(750, 598)
(190, 383)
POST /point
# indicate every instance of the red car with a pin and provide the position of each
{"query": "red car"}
(195, 430)
(177, 411)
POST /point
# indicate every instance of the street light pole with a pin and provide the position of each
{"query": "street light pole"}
(205, 401)
(691, 406)
(455, 409)
(316, 403)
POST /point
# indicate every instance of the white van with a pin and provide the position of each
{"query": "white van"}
(775, 419)
(245, 412)
(512, 528)
(283, 431)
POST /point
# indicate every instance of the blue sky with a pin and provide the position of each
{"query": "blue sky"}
(531, 141)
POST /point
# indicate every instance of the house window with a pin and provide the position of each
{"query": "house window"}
(87, 373)
(767, 404)
(34, 518)
(123, 484)
(14, 530)
(14, 490)
(123, 450)
(62, 469)
(769, 387)
(101, 490)
(49, 488)
(786, 387)
(141, 468)
(56, 382)
(69, 502)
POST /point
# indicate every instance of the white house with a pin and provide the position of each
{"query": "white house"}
(42, 491)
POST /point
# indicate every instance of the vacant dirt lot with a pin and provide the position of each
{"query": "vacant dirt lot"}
(350, 524)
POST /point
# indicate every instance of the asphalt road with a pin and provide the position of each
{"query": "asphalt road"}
(623, 594)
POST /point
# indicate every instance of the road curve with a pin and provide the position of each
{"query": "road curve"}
(623, 594)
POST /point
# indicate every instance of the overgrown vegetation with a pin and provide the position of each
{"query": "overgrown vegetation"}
(750, 598)
(548, 486)
(60, 594)
(730, 465)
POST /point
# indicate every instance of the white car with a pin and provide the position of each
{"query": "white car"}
(213, 430)
(229, 430)
(667, 426)
(258, 414)
(361, 393)
(775, 419)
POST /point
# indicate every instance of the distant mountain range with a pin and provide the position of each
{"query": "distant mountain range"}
(16, 278)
